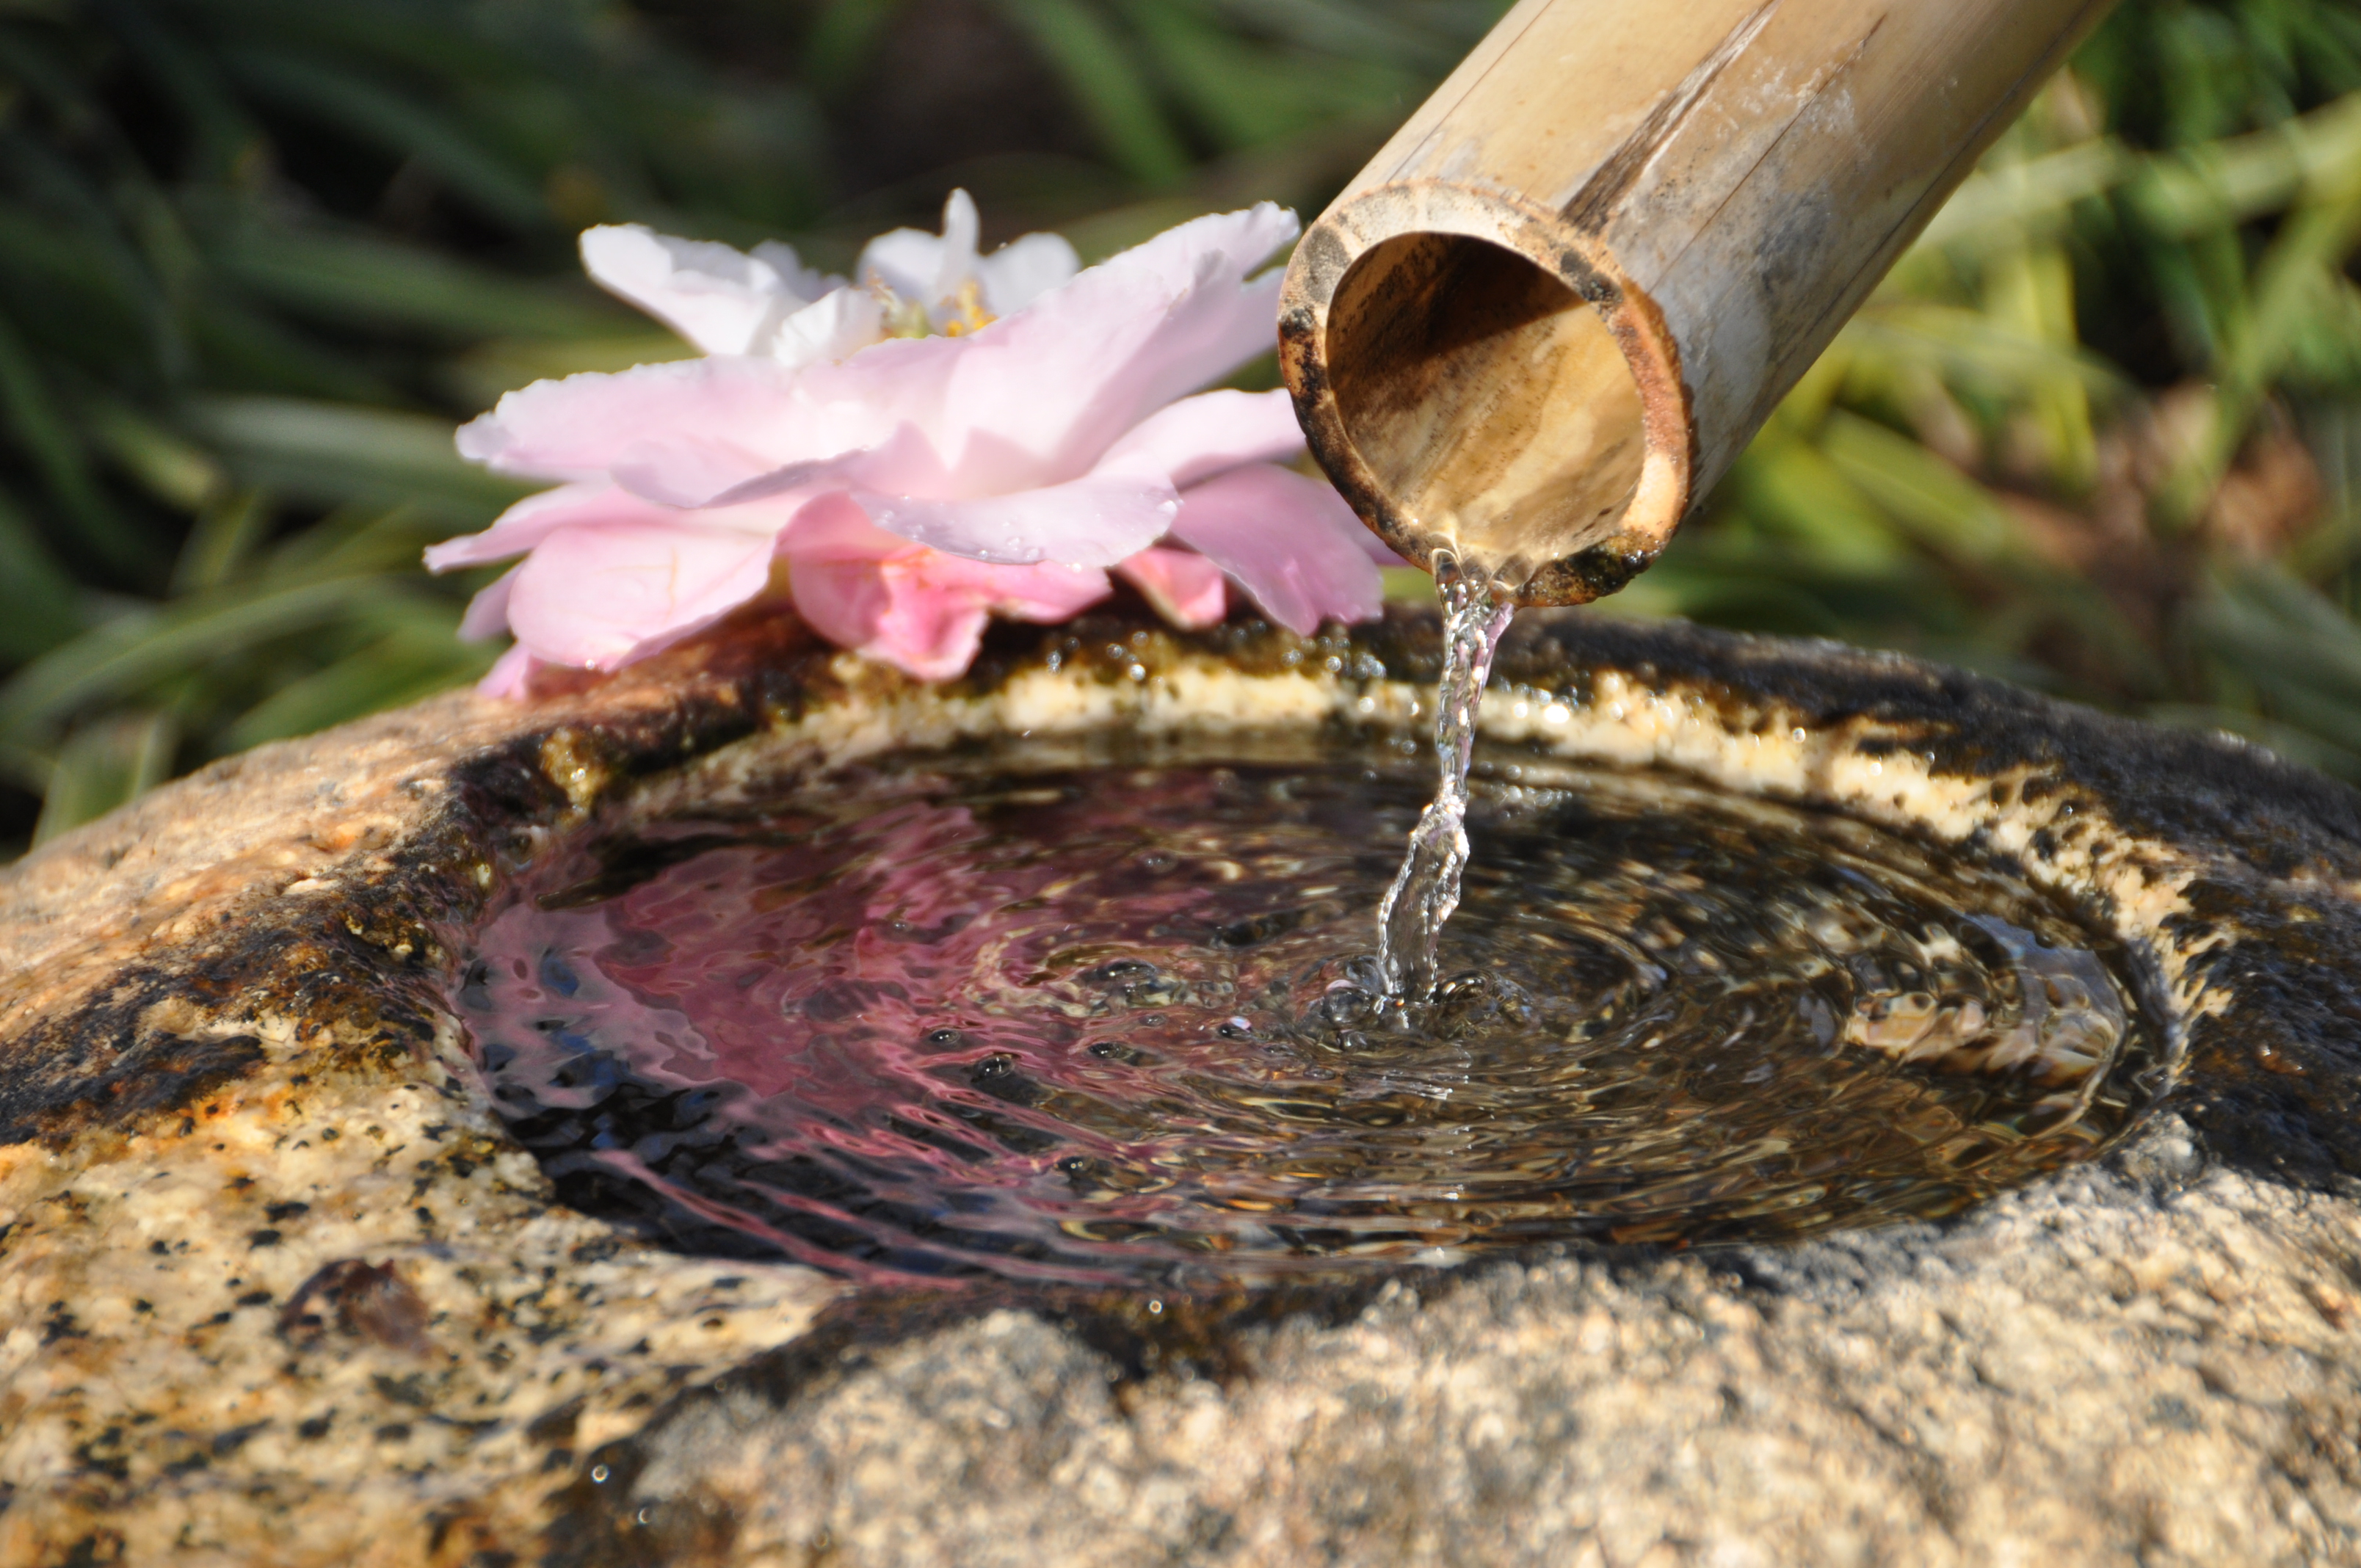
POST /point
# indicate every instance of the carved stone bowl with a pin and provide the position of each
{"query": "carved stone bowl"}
(276, 1287)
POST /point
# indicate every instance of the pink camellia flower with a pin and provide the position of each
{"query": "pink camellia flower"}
(952, 437)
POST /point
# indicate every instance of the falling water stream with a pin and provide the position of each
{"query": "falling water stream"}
(1476, 615)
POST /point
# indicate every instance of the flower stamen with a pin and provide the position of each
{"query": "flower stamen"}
(904, 318)
(972, 317)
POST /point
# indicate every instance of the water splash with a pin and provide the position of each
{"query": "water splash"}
(1476, 615)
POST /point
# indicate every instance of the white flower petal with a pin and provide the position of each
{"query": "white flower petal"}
(803, 282)
(720, 299)
(962, 229)
(1023, 269)
(923, 267)
(831, 328)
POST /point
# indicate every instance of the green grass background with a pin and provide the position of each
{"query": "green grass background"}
(2100, 433)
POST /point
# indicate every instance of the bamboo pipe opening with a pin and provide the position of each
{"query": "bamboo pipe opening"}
(1490, 402)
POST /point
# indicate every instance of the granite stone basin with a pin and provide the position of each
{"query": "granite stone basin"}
(277, 1287)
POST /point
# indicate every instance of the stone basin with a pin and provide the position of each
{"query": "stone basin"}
(278, 1286)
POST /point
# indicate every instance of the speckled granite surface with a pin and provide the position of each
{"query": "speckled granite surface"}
(275, 1288)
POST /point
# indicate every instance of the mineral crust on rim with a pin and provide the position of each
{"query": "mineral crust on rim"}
(276, 1287)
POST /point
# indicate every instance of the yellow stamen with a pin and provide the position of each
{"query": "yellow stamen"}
(973, 316)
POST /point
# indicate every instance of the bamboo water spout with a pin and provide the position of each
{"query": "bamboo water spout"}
(1548, 315)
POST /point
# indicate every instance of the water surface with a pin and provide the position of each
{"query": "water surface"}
(1026, 1015)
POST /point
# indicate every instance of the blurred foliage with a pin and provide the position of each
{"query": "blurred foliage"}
(2100, 431)
(256, 256)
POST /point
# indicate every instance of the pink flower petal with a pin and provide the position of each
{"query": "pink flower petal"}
(526, 524)
(599, 596)
(511, 674)
(721, 420)
(1292, 542)
(535, 518)
(1047, 592)
(1185, 588)
(487, 612)
(1038, 397)
(1219, 319)
(1198, 437)
(924, 612)
(1092, 521)
(917, 609)
(924, 632)
(1030, 401)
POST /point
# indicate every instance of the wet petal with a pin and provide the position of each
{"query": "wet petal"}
(722, 300)
(1032, 401)
(1292, 542)
(1198, 437)
(1185, 588)
(601, 595)
(1092, 522)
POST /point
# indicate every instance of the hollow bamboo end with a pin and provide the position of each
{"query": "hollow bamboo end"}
(1474, 375)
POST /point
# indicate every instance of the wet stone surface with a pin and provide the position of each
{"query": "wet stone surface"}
(280, 1283)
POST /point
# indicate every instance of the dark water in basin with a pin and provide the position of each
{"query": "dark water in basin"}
(1101, 1023)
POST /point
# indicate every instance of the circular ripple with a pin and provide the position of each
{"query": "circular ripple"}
(1102, 1024)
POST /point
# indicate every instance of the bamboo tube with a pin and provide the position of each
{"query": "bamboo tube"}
(1555, 306)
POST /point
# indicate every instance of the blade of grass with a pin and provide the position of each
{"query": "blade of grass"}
(127, 655)
(334, 454)
(409, 664)
(357, 279)
(1105, 83)
(104, 766)
(381, 115)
